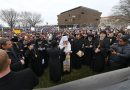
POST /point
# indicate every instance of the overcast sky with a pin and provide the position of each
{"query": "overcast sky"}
(51, 8)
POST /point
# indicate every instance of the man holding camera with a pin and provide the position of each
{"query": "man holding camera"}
(120, 53)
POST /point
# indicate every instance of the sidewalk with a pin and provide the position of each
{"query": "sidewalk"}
(114, 80)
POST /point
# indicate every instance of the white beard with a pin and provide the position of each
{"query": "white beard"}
(89, 39)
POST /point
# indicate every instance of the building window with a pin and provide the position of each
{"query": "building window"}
(69, 15)
(97, 19)
(73, 19)
(66, 20)
(82, 12)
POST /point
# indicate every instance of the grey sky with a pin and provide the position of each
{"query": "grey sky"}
(51, 8)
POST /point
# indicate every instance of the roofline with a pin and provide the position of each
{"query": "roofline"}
(80, 7)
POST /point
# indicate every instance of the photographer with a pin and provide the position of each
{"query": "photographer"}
(17, 63)
(120, 53)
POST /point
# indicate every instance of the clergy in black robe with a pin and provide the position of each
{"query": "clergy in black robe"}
(112, 38)
(101, 51)
(41, 44)
(17, 48)
(44, 45)
(89, 49)
(77, 46)
(34, 60)
(55, 63)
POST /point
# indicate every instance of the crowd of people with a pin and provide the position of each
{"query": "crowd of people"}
(61, 52)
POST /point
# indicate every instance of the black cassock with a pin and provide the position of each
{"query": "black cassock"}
(76, 60)
(34, 61)
(42, 46)
(55, 64)
(99, 58)
(88, 52)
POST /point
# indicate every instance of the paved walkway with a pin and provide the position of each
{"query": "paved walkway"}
(114, 80)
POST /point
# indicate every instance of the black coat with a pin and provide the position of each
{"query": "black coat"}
(103, 45)
(42, 46)
(34, 61)
(16, 65)
(77, 45)
(121, 60)
(88, 52)
(99, 58)
(112, 40)
(18, 48)
(23, 80)
(55, 64)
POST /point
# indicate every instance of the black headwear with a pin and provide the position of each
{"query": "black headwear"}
(125, 38)
(54, 43)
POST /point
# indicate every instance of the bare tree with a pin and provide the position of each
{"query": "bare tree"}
(122, 9)
(31, 18)
(9, 16)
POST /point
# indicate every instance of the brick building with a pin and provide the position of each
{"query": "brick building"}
(79, 16)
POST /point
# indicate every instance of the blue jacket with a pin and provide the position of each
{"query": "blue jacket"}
(124, 52)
